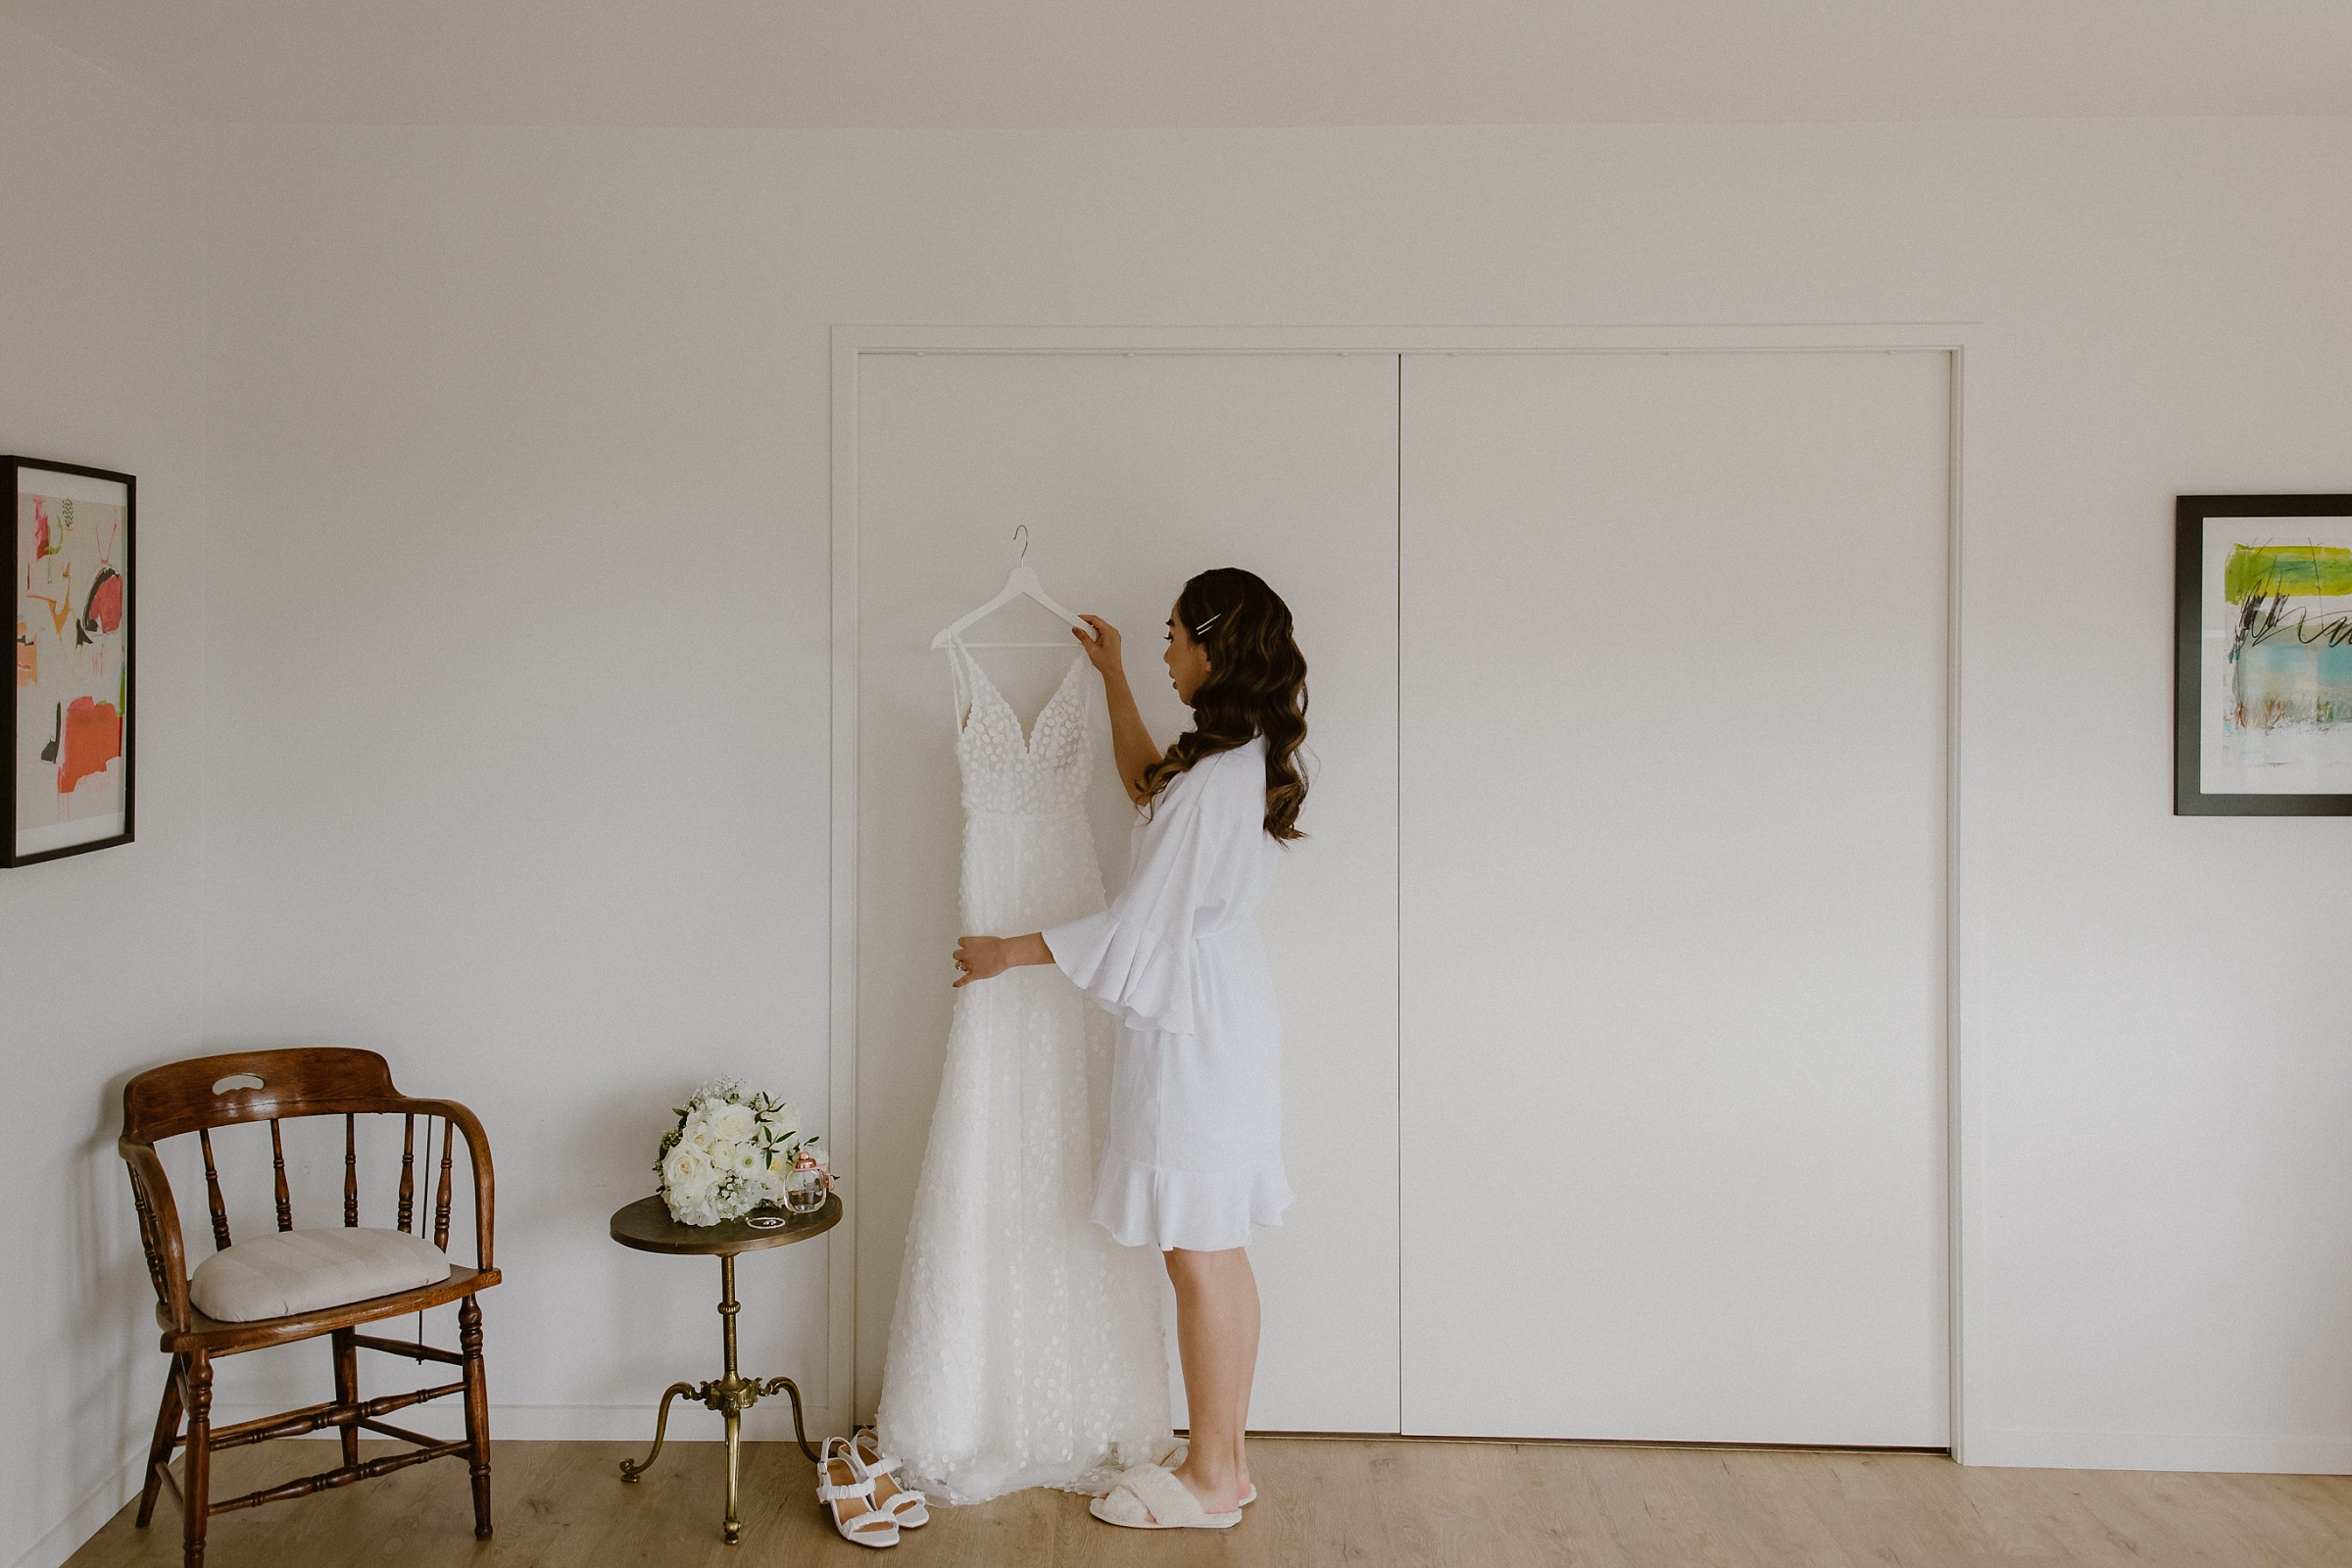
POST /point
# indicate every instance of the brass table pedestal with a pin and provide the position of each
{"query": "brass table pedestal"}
(646, 1226)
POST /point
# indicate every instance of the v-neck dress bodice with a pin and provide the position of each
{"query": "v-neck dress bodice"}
(1008, 772)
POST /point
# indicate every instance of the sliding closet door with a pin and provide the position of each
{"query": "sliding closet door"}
(1672, 820)
(1131, 473)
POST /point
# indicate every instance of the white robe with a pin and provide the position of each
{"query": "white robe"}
(1194, 1156)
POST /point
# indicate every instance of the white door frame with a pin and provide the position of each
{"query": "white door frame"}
(852, 343)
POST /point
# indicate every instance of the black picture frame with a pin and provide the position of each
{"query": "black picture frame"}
(10, 468)
(2190, 515)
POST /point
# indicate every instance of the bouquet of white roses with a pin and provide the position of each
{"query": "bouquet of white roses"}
(728, 1153)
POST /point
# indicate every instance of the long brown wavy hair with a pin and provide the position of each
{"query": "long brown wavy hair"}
(1257, 685)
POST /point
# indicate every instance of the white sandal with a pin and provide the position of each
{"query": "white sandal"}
(1148, 1498)
(908, 1507)
(1174, 1459)
(839, 1483)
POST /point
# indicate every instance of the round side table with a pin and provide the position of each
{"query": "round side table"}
(646, 1226)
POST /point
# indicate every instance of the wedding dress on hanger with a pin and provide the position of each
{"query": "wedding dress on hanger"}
(1026, 1346)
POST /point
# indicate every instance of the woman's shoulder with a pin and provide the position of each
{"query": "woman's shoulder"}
(1236, 774)
(1223, 775)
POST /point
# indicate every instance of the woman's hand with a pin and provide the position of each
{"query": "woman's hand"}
(1103, 648)
(985, 957)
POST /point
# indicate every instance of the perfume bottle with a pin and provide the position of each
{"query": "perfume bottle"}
(805, 1184)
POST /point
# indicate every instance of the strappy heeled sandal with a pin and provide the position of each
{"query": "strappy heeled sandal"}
(1148, 1498)
(904, 1504)
(839, 1488)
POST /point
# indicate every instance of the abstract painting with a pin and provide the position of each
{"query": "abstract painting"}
(2262, 720)
(68, 785)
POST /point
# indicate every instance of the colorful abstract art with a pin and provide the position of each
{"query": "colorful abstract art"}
(69, 777)
(2265, 721)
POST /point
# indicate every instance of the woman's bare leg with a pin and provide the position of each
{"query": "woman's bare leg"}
(1216, 1337)
(1240, 1417)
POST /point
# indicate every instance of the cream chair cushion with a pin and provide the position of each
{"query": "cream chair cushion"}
(304, 1271)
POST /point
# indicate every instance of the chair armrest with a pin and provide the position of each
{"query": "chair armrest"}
(478, 1155)
(159, 1229)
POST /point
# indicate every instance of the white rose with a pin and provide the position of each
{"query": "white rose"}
(733, 1122)
(687, 1165)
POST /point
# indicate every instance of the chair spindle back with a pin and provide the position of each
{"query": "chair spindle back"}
(211, 1192)
(277, 1166)
(407, 1167)
(441, 1197)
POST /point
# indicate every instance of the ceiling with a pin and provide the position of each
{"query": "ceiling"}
(934, 64)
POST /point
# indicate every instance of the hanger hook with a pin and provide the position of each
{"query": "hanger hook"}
(1020, 536)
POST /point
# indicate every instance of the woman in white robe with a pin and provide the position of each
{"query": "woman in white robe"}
(1193, 1156)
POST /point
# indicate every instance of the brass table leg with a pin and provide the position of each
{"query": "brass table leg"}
(730, 1395)
(731, 1402)
(632, 1469)
(799, 1433)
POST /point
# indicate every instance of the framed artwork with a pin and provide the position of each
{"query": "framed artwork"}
(2262, 678)
(67, 790)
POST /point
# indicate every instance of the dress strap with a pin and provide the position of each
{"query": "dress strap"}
(959, 674)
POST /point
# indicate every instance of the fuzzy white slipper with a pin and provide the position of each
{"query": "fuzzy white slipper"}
(1174, 1459)
(1148, 1498)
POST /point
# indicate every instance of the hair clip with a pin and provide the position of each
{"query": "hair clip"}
(1204, 625)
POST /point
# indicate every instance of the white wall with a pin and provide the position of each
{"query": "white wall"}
(101, 363)
(519, 673)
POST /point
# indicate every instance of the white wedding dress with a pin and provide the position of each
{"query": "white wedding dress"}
(1026, 1348)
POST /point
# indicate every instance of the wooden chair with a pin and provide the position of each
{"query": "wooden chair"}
(214, 1092)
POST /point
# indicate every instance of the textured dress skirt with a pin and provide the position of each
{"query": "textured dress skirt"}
(1193, 1158)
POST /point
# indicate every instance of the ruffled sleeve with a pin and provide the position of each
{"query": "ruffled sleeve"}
(1136, 957)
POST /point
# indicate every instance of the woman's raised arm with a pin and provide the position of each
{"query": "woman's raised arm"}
(1131, 746)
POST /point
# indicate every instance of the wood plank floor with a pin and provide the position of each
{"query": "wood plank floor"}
(1324, 1501)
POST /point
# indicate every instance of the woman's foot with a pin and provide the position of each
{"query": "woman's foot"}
(1148, 1498)
(1218, 1493)
(1175, 1458)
